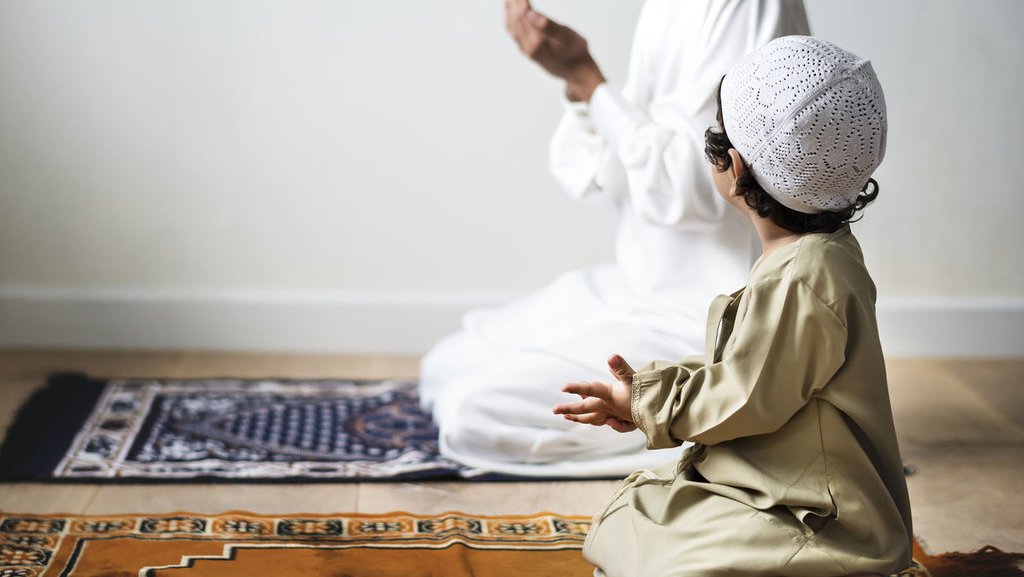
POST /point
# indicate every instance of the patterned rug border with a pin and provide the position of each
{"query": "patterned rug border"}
(34, 544)
(587, 518)
(562, 530)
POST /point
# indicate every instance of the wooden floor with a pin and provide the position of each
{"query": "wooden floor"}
(961, 428)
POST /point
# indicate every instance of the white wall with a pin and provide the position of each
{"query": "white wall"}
(947, 222)
(334, 175)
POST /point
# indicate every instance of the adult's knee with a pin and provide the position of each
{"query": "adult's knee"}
(438, 369)
(449, 364)
(474, 428)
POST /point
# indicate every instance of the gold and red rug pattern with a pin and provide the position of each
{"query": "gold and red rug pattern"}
(241, 544)
(244, 544)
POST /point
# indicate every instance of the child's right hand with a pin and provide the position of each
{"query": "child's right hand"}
(601, 403)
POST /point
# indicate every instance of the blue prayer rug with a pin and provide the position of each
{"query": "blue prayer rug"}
(175, 430)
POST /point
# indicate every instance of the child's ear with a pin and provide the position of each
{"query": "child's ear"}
(737, 166)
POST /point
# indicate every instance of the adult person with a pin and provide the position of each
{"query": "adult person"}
(491, 385)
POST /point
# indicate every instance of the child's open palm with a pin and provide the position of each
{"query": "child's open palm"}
(602, 403)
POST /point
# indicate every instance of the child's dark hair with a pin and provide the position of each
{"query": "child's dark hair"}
(716, 149)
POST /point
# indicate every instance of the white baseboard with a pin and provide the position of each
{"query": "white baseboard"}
(952, 327)
(291, 321)
(400, 322)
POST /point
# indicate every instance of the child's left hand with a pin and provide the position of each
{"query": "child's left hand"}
(603, 404)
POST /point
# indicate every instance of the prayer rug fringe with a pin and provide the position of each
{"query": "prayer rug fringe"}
(988, 561)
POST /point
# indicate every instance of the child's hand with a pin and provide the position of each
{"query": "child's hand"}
(603, 404)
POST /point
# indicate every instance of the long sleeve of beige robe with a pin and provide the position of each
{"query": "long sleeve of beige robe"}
(773, 363)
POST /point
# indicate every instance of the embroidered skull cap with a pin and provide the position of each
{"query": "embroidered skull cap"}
(809, 120)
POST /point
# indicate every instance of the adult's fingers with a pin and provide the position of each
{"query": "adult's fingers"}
(510, 22)
(599, 390)
(548, 27)
(515, 23)
(518, 8)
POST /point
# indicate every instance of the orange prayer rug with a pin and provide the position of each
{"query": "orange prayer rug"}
(240, 544)
(246, 545)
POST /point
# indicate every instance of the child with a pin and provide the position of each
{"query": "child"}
(795, 469)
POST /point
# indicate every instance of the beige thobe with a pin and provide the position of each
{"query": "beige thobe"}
(796, 470)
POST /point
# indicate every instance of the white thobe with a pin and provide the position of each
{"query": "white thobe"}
(491, 387)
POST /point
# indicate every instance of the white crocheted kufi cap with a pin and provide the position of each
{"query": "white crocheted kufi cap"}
(809, 120)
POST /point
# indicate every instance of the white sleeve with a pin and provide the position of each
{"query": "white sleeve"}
(579, 156)
(660, 146)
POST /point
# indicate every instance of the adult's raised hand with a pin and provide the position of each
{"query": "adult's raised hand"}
(558, 49)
